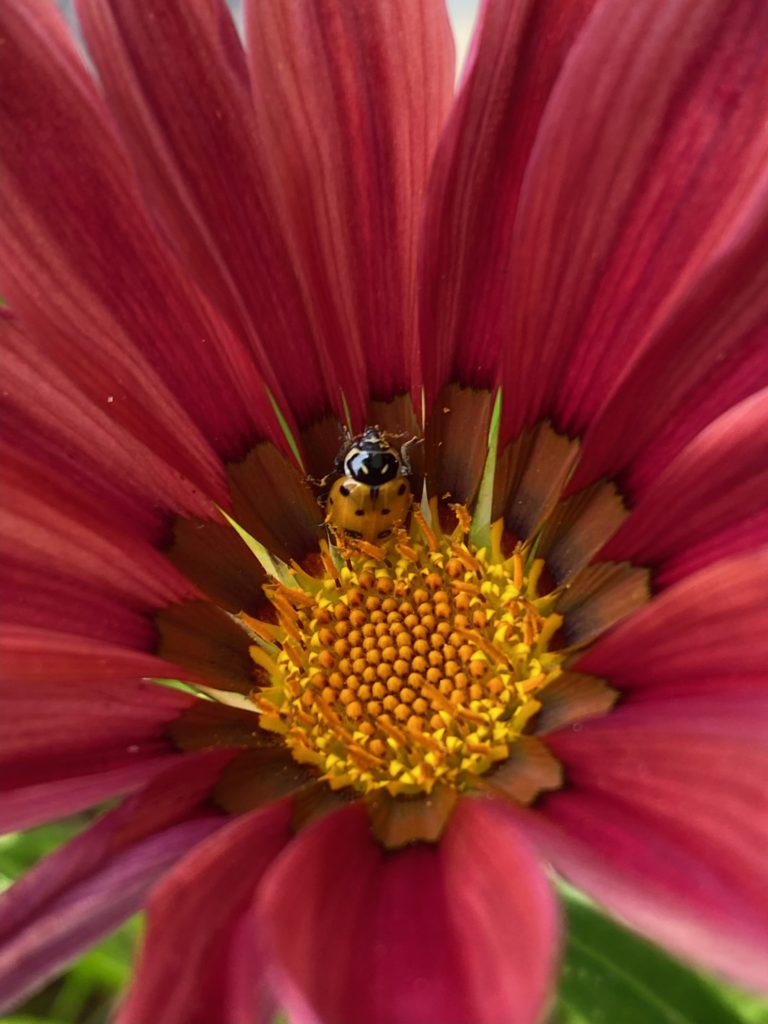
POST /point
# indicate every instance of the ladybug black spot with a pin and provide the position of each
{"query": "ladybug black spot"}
(382, 534)
(359, 512)
(386, 511)
(401, 489)
(344, 490)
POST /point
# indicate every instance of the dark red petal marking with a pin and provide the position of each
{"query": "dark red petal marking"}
(85, 267)
(396, 822)
(207, 644)
(440, 931)
(271, 500)
(646, 170)
(578, 526)
(197, 931)
(88, 887)
(531, 473)
(218, 561)
(570, 698)
(473, 195)
(600, 596)
(349, 101)
(259, 777)
(456, 442)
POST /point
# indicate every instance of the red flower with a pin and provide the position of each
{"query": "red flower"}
(201, 237)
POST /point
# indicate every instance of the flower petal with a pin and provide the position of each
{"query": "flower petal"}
(709, 626)
(709, 353)
(716, 484)
(349, 101)
(86, 270)
(645, 173)
(461, 931)
(113, 450)
(205, 180)
(665, 820)
(94, 882)
(47, 523)
(193, 933)
(77, 728)
(516, 58)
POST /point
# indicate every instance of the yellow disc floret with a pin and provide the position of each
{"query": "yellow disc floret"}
(409, 667)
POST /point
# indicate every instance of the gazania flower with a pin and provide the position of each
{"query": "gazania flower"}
(554, 655)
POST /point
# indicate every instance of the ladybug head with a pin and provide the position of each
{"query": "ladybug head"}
(371, 459)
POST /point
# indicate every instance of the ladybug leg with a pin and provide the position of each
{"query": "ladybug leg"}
(314, 481)
(404, 457)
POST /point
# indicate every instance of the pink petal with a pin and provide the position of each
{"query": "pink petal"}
(40, 658)
(665, 821)
(47, 523)
(200, 167)
(472, 202)
(64, 603)
(88, 274)
(645, 175)
(349, 101)
(76, 728)
(461, 931)
(100, 441)
(194, 931)
(710, 354)
(89, 886)
(715, 486)
(709, 626)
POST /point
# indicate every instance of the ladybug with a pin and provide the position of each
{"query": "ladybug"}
(372, 495)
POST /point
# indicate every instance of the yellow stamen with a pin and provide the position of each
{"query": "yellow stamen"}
(409, 667)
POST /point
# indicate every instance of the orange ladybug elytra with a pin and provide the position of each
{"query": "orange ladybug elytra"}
(372, 496)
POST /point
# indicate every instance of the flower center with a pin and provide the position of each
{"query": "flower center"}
(409, 667)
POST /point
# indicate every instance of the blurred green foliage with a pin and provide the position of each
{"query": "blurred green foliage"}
(610, 976)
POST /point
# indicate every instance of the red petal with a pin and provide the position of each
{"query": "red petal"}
(76, 728)
(106, 442)
(199, 163)
(473, 194)
(665, 820)
(85, 268)
(645, 170)
(703, 497)
(708, 626)
(47, 523)
(461, 931)
(46, 657)
(87, 888)
(349, 103)
(65, 604)
(709, 353)
(195, 927)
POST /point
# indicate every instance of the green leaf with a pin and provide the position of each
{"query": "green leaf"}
(610, 975)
